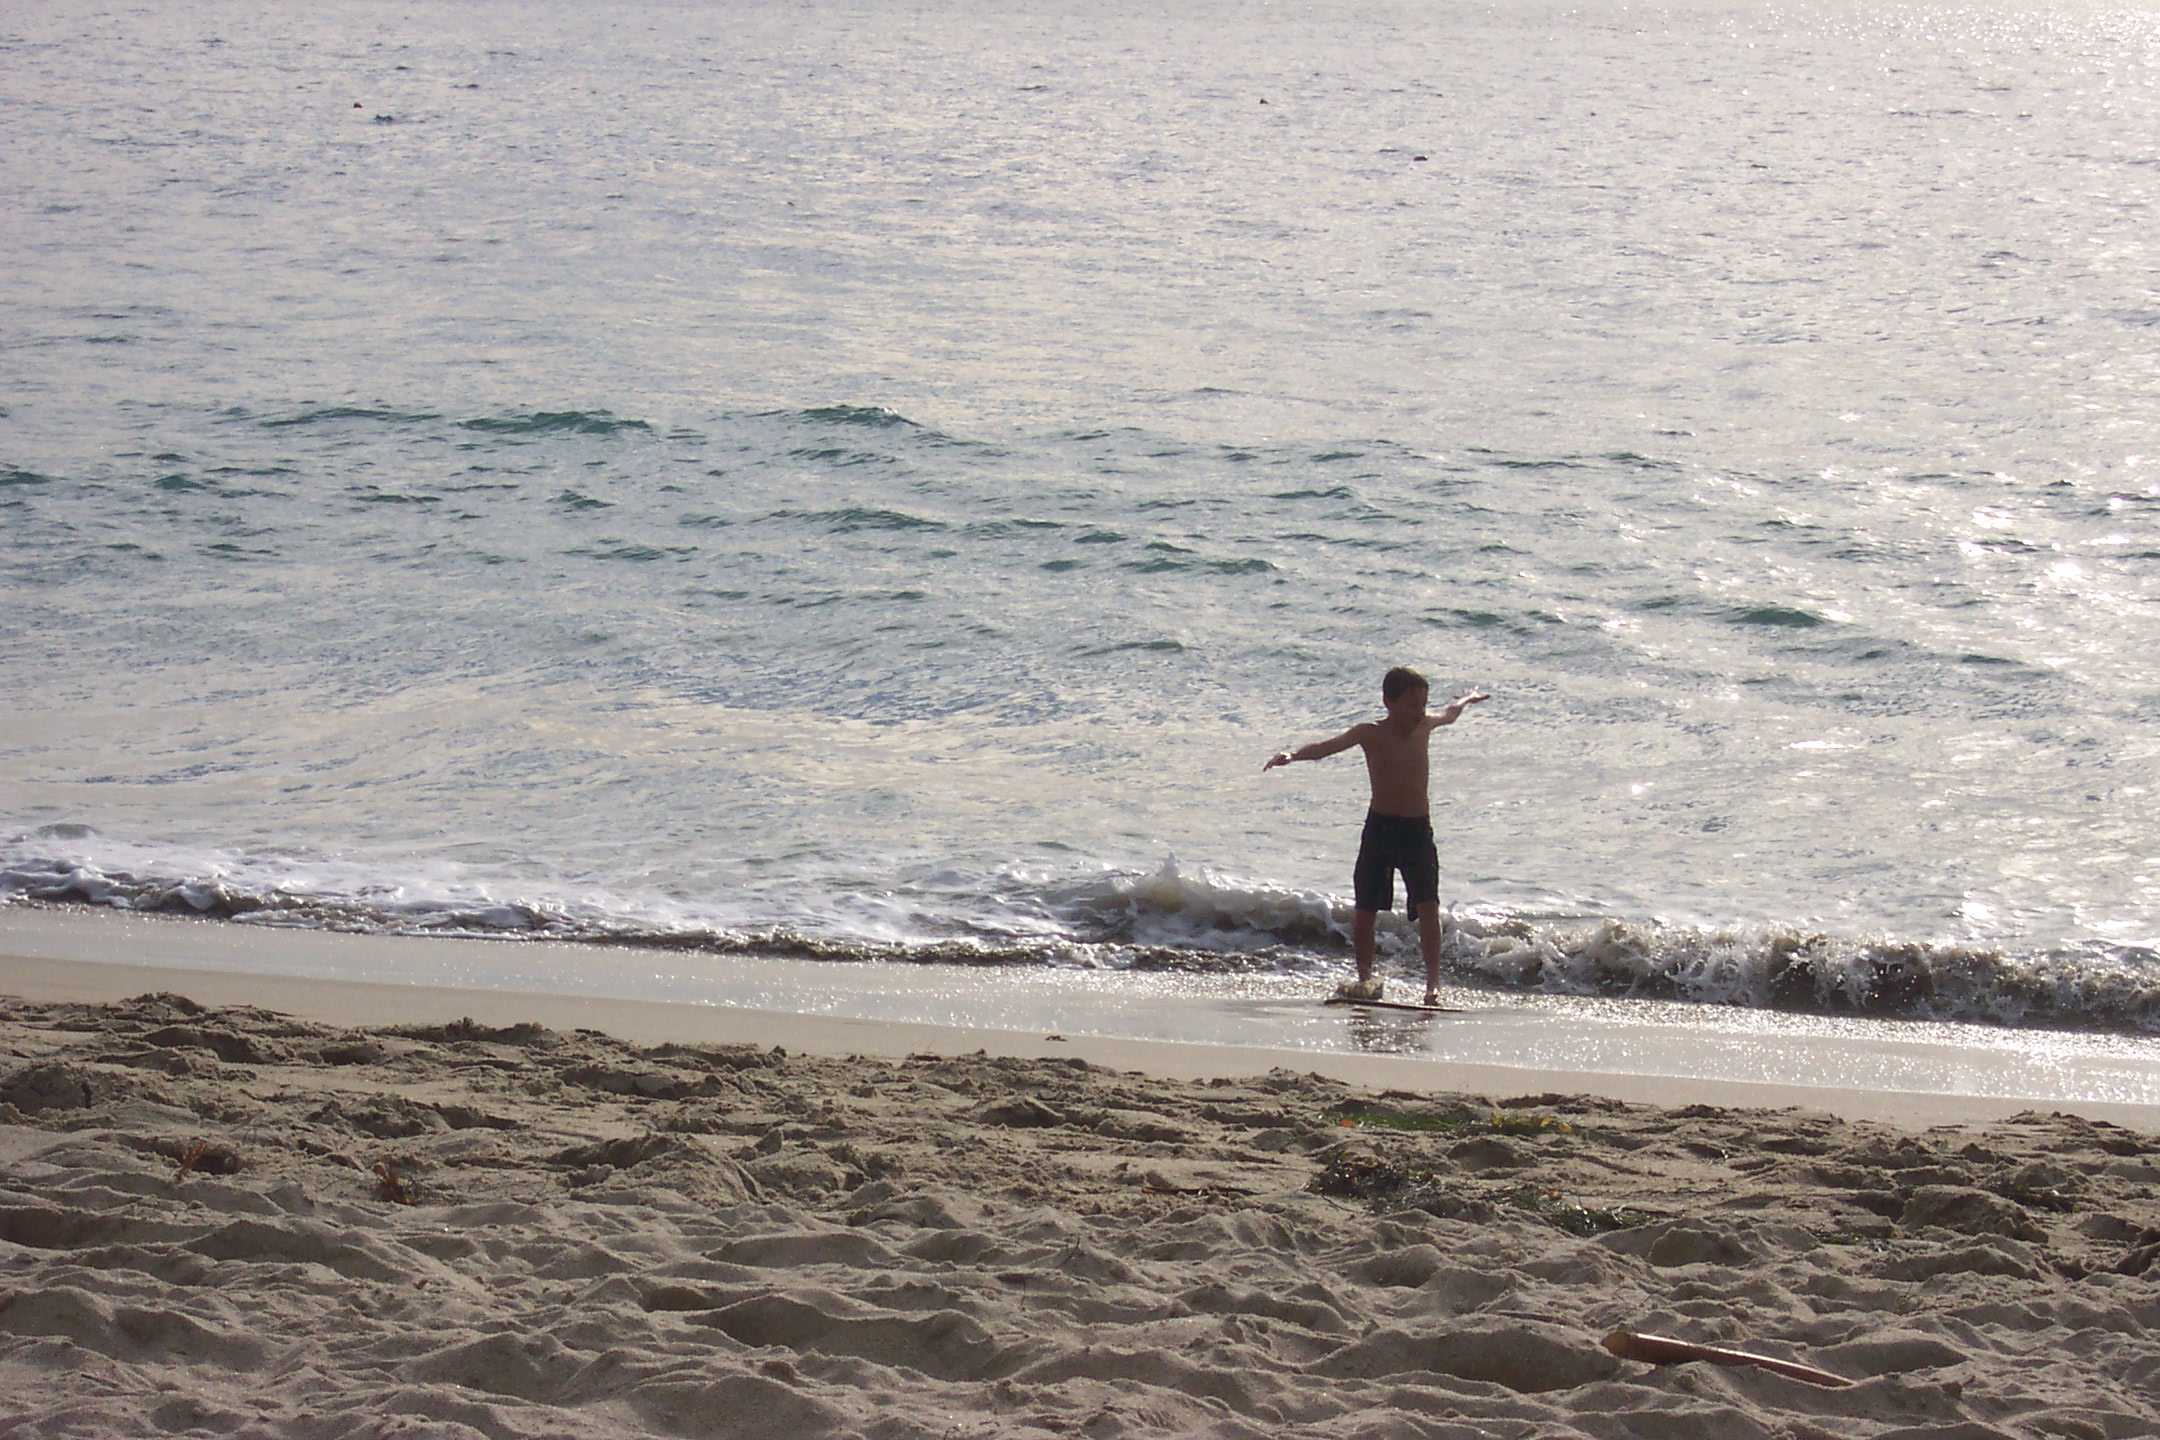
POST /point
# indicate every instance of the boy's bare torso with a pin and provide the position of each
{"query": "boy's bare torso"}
(1398, 761)
(1398, 756)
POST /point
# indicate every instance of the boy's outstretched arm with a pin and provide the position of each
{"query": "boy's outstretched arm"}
(1319, 749)
(1459, 704)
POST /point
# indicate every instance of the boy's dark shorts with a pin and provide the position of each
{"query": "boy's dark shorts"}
(1391, 843)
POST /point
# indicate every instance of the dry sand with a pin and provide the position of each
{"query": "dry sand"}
(203, 1230)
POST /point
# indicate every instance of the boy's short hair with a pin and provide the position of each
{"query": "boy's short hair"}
(1399, 679)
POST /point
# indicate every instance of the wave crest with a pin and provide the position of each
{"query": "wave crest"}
(1781, 968)
(1172, 919)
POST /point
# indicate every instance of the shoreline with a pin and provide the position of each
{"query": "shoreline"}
(50, 956)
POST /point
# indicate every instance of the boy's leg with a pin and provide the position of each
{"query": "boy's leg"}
(1428, 933)
(1421, 877)
(1372, 890)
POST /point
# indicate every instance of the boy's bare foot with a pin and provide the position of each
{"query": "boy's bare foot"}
(1371, 989)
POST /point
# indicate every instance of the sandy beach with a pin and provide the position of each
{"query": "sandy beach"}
(222, 1219)
(642, 650)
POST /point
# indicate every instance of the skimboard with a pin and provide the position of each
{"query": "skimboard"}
(1392, 1005)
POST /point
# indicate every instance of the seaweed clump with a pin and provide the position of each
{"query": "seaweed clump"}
(1498, 1122)
(1396, 1186)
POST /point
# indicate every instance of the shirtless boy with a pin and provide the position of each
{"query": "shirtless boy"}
(1398, 828)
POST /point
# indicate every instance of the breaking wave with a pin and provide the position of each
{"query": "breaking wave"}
(1172, 919)
(1785, 968)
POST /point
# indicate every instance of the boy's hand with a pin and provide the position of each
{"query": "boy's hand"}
(1280, 757)
(1459, 704)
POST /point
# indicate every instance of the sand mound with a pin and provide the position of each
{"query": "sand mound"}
(232, 1223)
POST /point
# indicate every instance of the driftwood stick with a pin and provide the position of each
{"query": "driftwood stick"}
(1657, 1350)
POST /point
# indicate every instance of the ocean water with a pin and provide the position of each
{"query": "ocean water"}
(859, 482)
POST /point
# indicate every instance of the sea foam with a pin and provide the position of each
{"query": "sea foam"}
(1177, 919)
